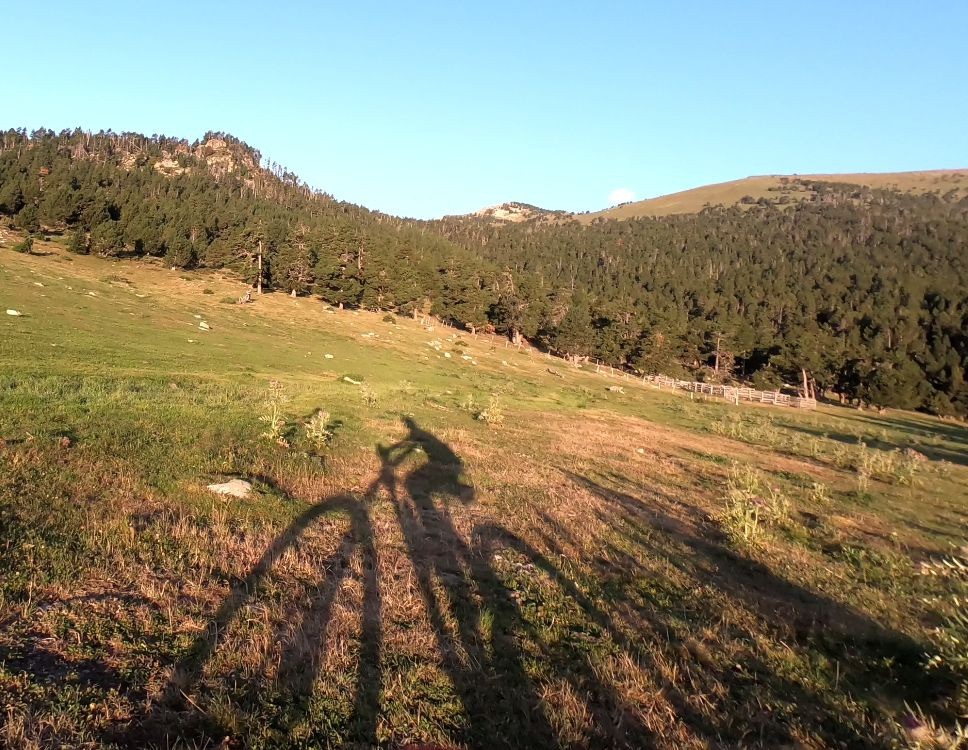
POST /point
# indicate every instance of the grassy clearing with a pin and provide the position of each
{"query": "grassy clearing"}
(473, 552)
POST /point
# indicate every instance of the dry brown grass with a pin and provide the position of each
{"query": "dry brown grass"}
(764, 186)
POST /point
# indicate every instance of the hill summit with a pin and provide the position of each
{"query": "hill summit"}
(514, 213)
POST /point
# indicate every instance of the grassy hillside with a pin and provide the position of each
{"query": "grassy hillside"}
(773, 186)
(493, 549)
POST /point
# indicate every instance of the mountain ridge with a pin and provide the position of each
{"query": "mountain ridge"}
(730, 192)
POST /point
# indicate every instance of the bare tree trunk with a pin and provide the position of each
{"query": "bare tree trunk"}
(806, 383)
(259, 282)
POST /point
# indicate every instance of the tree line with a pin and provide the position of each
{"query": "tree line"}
(861, 293)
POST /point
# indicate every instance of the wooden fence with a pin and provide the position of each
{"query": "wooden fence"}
(732, 393)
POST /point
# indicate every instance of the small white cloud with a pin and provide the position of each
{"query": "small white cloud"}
(620, 195)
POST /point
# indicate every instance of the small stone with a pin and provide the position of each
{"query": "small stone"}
(234, 487)
(328, 356)
(15, 313)
(204, 326)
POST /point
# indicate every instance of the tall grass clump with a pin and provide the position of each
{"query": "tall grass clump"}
(895, 466)
(752, 505)
(951, 636)
(950, 639)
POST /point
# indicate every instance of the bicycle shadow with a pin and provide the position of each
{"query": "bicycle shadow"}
(456, 585)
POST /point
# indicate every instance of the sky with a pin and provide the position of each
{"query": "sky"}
(434, 108)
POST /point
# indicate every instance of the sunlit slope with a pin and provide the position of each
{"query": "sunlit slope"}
(775, 186)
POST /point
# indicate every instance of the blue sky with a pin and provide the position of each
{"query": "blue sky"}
(443, 107)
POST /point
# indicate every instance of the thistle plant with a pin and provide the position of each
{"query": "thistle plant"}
(368, 395)
(272, 413)
(318, 432)
(752, 504)
(493, 414)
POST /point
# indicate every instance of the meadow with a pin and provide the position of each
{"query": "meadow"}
(448, 540)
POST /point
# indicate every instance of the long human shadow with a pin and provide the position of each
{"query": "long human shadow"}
(874, 662)
(459, 588)
(458, 585)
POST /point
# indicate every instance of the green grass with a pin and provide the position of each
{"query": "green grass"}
(564, 576)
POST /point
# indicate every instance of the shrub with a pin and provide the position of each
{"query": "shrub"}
(208, 291)
(896, 466)
(25, 246)
(908, 464)
(390, 318)
(78, 243)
